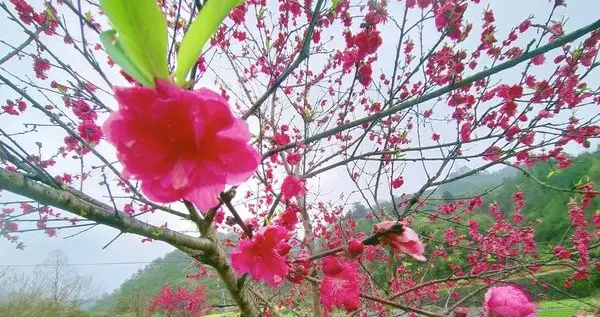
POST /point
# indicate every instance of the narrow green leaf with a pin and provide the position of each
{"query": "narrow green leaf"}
(203, 27)
(142, 34)
(334, 5)
(115, 51)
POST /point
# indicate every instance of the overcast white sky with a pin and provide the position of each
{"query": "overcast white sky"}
(87, 248)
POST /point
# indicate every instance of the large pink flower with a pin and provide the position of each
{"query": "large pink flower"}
(180, 144)
(408, 242)
(341, 285)
(259, 257)
(508, 301)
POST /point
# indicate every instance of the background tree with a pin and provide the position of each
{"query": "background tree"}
(53, 289)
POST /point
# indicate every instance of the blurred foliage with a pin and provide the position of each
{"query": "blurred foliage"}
(34, 307)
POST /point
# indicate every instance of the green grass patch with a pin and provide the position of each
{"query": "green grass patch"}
(564, 307)
(226, 314)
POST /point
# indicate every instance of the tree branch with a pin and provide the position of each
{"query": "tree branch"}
(63, 199)
(304, 53)
(449, 88)
(19, 48)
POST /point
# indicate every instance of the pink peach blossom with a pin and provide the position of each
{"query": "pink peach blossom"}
(292, 186)
(180, 144)
(508, 301)
(408, 242)
(259, 256)
(341, 286)
(288, 219)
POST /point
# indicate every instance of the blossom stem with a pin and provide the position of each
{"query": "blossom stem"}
(225, 198)
(323, 254)
(19, 48)
(370, 240)
(194, 215)
(303, 54)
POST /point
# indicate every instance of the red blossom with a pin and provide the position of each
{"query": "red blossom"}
(300, 270)
(331, 265)
(82, 109)
(288, 218)
(10, 108)
(238, 14)
(465, 132)
(524, 26)
(90, 132)
(316, 36)
(219, 217)
(340, 288)
(364, 75)
(398, 182)
(21, 105)
(367, 42)
(259, 257)
(24, 10)
(41, 66)
(10, 226)
(26, 208)
(293, 158)
(561, 252)
(281, 139)
(292, 186)
(179, 302)
(538, 60)
(461, 312)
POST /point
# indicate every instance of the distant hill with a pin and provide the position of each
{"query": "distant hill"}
(475, 182)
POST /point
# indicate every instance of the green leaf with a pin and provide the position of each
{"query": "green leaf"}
(142, 35)
(334, 5)
(50, 14)
(113, 48)
(203, 27)
(307, 114)
(398, 154)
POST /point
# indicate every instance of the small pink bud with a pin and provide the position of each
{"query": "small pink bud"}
(355, 248)
(461, 312)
